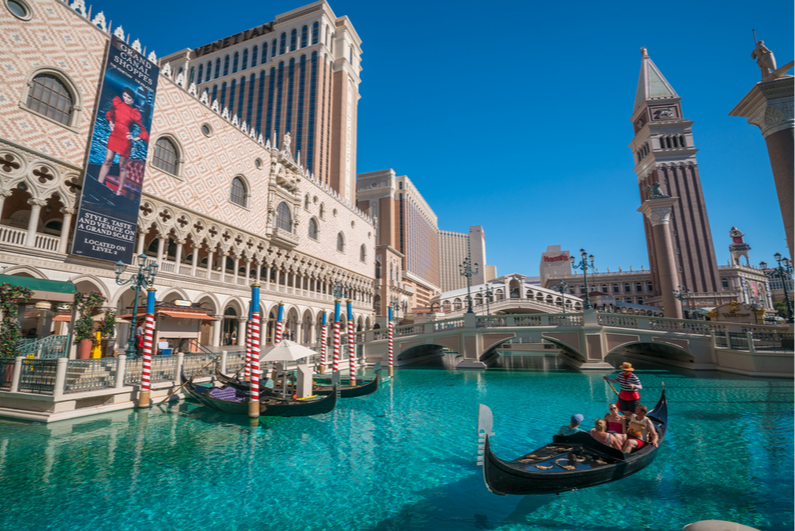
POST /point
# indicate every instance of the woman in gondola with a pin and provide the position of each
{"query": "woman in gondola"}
(615, 420)
(121, 117)
(600, 433)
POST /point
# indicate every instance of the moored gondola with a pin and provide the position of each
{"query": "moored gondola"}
(569, 463)
(231, 400)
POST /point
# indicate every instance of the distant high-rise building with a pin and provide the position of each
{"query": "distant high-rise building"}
(299, 74)
(454, 247)
(665, 153)
(406, 224)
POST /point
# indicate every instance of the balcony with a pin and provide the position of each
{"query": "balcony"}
(284, 238)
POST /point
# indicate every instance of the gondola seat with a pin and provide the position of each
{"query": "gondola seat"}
(225, 393)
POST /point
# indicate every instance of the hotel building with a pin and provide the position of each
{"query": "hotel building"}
(453, 248)
(297, 74)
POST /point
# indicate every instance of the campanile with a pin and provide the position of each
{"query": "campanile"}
(665, 153)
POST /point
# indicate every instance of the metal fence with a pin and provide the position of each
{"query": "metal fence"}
(88, 375)
(738, 341)
(721, 341)
(773, 342)
(38, 376)
(6, 372)
(234, 361)
(195, 364)
(162, 369)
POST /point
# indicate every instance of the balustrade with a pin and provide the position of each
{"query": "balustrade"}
(89, 375)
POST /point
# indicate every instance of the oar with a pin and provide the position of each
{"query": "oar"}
(611, 386)
(183, 385)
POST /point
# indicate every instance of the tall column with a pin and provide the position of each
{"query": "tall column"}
(178, 257)
(161, 242)
(194, 259)
(33, 221)
(769, 106)
(222, 262)
(65, 226)
(141, 241)
(258, 265)
(210, 258)
(248, 272)
(241, 330)
(658, 211)
(278, 274)
(3, 195)
(236, 267)
(267, 279)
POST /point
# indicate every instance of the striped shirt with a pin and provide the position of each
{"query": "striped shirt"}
(626, 381)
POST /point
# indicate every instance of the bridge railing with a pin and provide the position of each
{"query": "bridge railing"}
(754, 341)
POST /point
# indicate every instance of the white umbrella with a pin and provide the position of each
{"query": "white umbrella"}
(286, 350)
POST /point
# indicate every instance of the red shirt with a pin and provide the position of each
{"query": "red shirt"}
(123, 116)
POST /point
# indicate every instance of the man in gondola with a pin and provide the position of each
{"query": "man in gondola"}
(573, 427)
(640, 431)
(629, 397)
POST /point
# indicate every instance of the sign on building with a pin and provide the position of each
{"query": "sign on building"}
(114, 177)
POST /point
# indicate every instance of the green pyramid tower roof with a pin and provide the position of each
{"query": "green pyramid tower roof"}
(651, 84)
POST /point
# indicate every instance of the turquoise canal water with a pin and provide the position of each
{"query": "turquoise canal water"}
(404, 458)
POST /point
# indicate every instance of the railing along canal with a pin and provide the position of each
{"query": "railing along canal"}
(89, 375)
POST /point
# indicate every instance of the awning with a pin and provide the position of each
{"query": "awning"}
(187, 315)
(62, 317)
(46, 290)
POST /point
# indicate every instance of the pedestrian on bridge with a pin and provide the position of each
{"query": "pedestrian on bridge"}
(629, 397)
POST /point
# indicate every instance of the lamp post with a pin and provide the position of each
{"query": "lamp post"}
(682, 293)
(144, 278)
(584, 266)
(487, 295)
(754, 305)
(466, 269)
(394, 303)
(561, 288)
(784, 272)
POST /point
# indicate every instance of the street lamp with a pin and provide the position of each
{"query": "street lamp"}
(561, 288)
(394, 302)
(784, 272)
(144, 278)
(584, 266)
(487, 294)
(682, 293)
(466, 269)
(753, 303)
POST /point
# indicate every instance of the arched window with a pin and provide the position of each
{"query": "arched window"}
(217, 68)
(350, 54)
(304, 36)
(293, 39)
(273, 48)
(166, 157)
(215, 92)
(363, 253)
(223, 94)
(192, 72)
(226, 65)
(200, 77)
(238, 192)
(254, 51)
(245, 60)
(49, 97)
(312, 229)
(234, 62)
(377, 267)
(284, 220)
(209, 73)
(283, 43)
(315, 28)
(264, 52)
(340, 242)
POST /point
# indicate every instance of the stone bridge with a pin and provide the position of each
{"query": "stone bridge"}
(584, 340)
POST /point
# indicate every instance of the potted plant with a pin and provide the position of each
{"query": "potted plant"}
(107, 329)
(87, 304)
(10, 297)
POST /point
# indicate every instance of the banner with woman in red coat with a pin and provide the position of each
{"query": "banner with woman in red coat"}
(108, 218)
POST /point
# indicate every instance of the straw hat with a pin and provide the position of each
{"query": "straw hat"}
(626, 366)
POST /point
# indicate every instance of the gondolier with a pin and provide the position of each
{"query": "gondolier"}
(629, 397)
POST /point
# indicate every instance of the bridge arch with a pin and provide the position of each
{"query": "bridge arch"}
(652, 349)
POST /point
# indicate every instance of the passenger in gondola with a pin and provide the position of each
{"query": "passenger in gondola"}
(615, 420)
(640, 431)
(600, 433)
(573, 426)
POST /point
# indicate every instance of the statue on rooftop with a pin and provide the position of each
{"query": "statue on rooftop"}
(764, 58)
(655, 191)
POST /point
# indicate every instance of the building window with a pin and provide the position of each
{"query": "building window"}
(245, 60)
(315, 28)
(322, 210)
(312, 229)
(293, 40)
(616, 288)
(264, 54)
(627, 287)
(638, 287)
(49, 97)
(304, 36)
(283, 43)
(306, 201)
(284, 220)
(217, 68)
(166, 157)
(649, 287)
(363, 253)
(200, 76)
(340, 243)
(640, 300)
(273, 48)
(226, 65)
(19, 9)
(238, 193)
(724, 282)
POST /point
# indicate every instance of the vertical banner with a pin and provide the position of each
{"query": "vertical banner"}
(108, 216)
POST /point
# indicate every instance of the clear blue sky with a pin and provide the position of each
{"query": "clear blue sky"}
(515, 115)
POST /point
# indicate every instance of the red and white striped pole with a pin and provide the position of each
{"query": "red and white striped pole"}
(247, 372)
(146, 369)
(336, 335)
(390, 333)
(351, 345)
(278, 336)
(253, 401)
(323, 334)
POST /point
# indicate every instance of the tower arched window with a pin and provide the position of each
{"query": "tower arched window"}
(284, 220)
(223, 94)
(283, 44)
(209, 73)
(192, 72)
(254, 56)
(668, 141)
(226, 65)
(217, 68)
(340, 242)
(293, 40)
(312, 232)
(378, 267)
(166, 156)
(50, 97)
(235, 62)
(200, 76)
(675, 141)
(215, 92)
(244, 65)
(264, 52)
(682, 141)
(304, 36)
(238, 193)
(315, 31)
(363, 253)
(273, 48)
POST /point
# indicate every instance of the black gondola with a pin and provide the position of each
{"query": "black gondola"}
(569, 463)
(346, 391)
(231, 400)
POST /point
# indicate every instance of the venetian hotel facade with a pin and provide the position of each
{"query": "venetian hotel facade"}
(221, 206)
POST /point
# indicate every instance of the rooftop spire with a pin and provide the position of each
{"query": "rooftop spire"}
(651, 84)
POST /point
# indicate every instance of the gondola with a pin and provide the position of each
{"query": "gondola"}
(570, 462)
(346, 391)
(231, 400)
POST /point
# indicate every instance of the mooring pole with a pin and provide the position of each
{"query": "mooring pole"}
(146, 368)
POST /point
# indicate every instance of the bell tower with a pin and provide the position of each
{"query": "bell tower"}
(665, 153)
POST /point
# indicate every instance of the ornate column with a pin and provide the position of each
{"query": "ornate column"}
(65, 226)
(259, 271)
(769, 106)
(33, 222)
(210, 258)
(178, 258)
(241, 330)
(3, 195)
(194, 259)
(267, 279)
(222, 261)
(248, 272)
(236, 267)
(161, 242)
(140, 242)
(216, 330)
(278, 274)
(658, 210)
